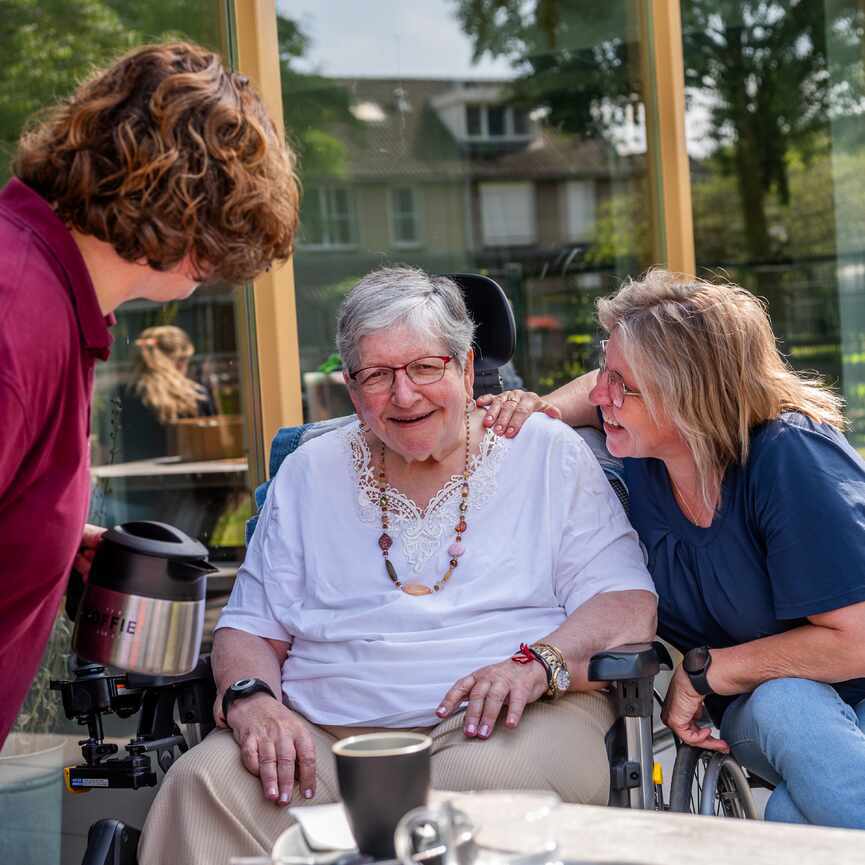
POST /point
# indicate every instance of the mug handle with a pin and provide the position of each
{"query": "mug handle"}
(440, 820)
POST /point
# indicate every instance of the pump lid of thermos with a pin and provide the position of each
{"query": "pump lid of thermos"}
(151, 538)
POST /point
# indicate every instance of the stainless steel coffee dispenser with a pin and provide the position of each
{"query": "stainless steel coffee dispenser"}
(143, 607)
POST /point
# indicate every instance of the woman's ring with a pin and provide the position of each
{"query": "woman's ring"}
(511, 399)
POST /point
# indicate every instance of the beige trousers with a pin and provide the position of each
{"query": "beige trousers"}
(210, 808)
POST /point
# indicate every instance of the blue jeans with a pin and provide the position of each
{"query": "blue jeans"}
(802, 737)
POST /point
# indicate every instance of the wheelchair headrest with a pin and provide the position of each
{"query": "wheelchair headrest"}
(490, 309)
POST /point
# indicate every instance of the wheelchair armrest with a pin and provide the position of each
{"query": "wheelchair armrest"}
(634, 661)
(111, 842)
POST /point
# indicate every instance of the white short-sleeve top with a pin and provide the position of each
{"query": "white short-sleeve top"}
(545, 534)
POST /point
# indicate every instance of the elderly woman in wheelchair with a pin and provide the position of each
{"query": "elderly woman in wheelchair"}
(751, 505)
(398, 564)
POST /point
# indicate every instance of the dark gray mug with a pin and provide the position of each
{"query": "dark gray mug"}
(381, 777)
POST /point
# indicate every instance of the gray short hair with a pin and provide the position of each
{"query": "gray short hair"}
(404, 296)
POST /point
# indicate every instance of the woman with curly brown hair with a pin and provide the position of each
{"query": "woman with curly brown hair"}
(157, 173)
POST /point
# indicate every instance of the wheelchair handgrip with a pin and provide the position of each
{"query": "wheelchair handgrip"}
(634, 661)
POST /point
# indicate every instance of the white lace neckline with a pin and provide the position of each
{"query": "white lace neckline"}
(421, 533)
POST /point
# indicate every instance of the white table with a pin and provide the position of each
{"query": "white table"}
(588, 832)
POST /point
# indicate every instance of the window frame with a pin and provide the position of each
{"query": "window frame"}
(325, 194)
(529, 186)
(417, 215)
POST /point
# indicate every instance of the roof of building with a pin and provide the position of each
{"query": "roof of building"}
(400, 134)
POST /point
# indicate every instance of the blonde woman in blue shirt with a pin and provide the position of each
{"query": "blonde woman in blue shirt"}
(751, 505)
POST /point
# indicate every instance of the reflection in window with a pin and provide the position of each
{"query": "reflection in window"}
(473, 120)
(405, 216)
(167, 440)
(328, 217)
(495, 121)
(580, 209)
(777, 183)
(521, 122)
(508, 214)
(520, 161)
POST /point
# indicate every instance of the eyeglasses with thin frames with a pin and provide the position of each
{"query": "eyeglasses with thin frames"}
(421, 371)
(615, 383)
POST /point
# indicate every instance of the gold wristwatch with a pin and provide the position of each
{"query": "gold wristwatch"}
(559, 678)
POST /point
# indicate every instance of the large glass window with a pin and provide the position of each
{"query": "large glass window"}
(776, 140)
(508, 140)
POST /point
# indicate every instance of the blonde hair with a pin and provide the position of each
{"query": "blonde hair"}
(704, 355)
(158, 382)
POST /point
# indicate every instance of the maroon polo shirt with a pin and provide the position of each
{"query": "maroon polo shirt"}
(51, 333)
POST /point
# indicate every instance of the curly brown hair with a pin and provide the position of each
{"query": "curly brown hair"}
(166, 154)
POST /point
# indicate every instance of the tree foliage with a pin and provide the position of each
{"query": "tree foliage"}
(312, 106)
(768, 76)
(49, 46)
(582, 68)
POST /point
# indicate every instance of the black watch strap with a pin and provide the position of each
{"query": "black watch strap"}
(696, 664)
(545, 664)
(243, 688)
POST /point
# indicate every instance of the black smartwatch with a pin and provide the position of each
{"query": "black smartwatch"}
(243, 688)
(696, 665)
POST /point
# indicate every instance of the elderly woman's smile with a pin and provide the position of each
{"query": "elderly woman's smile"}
(414, 419)
(411, 393)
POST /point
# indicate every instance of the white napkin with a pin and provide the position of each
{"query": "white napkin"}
(320, 837)
(324, 827)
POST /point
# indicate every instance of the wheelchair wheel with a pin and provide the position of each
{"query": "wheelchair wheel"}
(710, 783)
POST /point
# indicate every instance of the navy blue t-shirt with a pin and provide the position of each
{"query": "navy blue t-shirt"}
(788, 541)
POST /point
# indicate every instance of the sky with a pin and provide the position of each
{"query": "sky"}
(388, 39)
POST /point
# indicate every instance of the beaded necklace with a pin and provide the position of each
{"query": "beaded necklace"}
(455, 550)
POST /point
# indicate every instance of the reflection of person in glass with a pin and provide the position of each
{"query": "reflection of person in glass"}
(399, 560)
(159, 392)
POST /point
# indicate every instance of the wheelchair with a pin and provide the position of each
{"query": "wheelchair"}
(703, 782)
(175, 713)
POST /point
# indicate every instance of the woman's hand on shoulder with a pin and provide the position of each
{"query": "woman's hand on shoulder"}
(275, 745)
(507, 412)
(490, 688)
